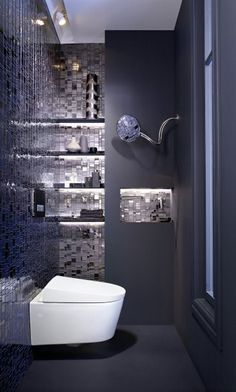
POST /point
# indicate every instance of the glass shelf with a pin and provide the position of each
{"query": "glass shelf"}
(23, 153)
(71, 219)
(70, 120)
(71, 154)
(79, 186)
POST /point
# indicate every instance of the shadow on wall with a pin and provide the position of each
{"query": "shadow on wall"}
(120, 342)
(135, 151)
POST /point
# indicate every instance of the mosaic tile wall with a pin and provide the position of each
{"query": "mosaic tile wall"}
(82, 250)
(60, 136)
(28, 247)
(52, 171)
(74, 62)
(145, 205)
(39, 79)
(65, 203)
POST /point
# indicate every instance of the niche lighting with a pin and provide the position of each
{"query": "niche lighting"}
(81, 124)
(139, 205)
(74, 158)
(81, 190)
(92, 224)
(138, 191)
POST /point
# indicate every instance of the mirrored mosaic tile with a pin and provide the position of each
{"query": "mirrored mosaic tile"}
(145, 205)
(27, 85)
(81, 252)
(74, 62)
(33, 87)
(65, 203)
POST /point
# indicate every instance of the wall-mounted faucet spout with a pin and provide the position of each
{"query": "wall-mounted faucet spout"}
(129, 129)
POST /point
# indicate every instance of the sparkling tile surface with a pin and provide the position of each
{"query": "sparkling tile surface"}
(145, 205)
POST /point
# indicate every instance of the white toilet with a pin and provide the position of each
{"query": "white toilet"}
(70, 311)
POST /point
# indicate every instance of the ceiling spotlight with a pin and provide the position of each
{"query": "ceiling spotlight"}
(60, 17)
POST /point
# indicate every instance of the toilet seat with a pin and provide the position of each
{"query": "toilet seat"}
(63, 289)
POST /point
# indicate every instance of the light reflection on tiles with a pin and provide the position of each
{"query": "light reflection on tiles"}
(32, 88)
(28, 246)
(64, 204)
(145, 205)
(81, 251)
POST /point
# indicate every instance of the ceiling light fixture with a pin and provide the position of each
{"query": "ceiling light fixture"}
(60, 17)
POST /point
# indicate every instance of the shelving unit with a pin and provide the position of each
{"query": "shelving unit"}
(61, 153)
(70, 120)
(74, 154)
(68, 201)
(71, 219)
(80, 187)
(68, 186)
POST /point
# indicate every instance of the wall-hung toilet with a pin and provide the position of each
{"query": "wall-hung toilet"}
(69, 310)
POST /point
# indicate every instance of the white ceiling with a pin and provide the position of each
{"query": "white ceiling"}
(88, 19)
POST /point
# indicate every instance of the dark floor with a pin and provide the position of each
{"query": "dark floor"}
(138, 358)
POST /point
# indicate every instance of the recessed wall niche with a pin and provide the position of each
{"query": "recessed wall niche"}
(145, 205)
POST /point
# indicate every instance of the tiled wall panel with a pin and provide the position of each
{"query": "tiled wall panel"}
(145, 205)
(39, 79)
(28, 247)
(59, 137)
(71, 102)
(82, 250)
(69, 203)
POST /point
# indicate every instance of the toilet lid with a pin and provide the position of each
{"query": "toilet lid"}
(63, 289)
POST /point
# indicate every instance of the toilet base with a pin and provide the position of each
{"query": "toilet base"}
(72, 323)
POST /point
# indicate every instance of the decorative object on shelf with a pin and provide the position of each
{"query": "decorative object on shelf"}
(93, 150)
(92, 96)
(96, 179)
(88, 182)
(92, 215)
(129, 129)
(84, 144)
(73, 146)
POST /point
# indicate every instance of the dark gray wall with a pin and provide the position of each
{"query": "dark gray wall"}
(139, 81)
(227, 35)
(216, 367)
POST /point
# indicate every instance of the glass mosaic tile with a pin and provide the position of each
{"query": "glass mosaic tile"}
(145, 205)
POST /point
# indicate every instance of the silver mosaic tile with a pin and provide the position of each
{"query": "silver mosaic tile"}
(69, 203)
(82, 250)
(145, 205)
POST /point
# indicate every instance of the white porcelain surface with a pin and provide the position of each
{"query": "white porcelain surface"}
(73, 146)
(64, 289)
(84, 143)
(75, 311)
(67, 323)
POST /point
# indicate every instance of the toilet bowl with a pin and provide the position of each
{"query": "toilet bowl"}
(70, 311)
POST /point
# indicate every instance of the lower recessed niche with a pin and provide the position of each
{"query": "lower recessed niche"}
(145, 205)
